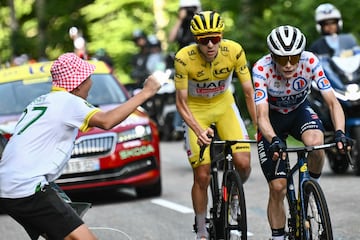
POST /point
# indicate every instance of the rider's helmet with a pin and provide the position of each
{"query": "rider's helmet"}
(325, 12)
(286, 41)
(153, 41)
(138, 33)
(206, 22)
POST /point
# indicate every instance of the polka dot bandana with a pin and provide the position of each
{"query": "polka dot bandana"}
(69, 71)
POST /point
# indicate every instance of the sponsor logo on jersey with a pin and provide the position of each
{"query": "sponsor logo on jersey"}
(289, 101)
(224, 48)
(324, 83)
(180, 76)
(299, 84)
(200, 74)
(259, 95)
(180, 61)
(222, 71)
(210, 87)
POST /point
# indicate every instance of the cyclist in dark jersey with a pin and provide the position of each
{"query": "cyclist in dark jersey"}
(282, 81)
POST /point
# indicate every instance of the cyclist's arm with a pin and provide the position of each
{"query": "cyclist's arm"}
(249, 98)
(188, 117)
(263, 120)
(336, 111)
(244, 76)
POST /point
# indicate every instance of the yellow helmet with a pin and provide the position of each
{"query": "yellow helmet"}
(206, 22)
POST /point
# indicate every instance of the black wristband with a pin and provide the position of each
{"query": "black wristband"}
(276, 138)
(339, 133)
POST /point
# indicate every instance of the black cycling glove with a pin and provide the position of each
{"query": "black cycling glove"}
(277, 145)
(340, 137)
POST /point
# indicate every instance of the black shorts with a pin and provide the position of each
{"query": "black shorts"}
(294, 124)
(42, 213)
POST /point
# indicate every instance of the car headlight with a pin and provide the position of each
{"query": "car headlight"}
(138, 132)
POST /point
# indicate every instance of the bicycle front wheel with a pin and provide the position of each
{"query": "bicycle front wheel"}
(317, 223)
(235, 223)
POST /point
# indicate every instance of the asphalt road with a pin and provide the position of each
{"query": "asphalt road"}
(122, 216)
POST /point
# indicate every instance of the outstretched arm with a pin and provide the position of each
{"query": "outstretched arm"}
(109, 119)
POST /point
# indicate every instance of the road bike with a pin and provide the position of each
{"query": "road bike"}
(308, 213)
(221, 223)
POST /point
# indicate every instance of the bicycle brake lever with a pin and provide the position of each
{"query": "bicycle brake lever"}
(202, 150)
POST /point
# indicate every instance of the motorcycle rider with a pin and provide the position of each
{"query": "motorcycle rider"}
(329, 24)
(138, 61)
(335, 48)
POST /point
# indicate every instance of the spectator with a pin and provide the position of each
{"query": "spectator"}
(180, 32)
(46, 134)
(79, 43)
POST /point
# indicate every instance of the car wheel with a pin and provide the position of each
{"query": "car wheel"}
(152, 190)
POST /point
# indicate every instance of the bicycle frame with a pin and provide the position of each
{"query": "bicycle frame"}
(218, 220)
(299, 224)
(296, 203)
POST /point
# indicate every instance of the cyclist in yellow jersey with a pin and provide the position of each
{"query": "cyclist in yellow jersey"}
(203, 73)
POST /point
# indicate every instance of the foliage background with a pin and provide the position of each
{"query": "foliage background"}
(39, 28)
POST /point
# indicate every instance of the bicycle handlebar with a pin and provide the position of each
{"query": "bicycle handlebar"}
(223, 142)
(312, 148)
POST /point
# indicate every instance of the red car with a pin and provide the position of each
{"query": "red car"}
(126, 156)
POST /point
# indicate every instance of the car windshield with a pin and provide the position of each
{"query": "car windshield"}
(15, 96)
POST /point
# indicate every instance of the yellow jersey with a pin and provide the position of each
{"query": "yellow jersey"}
(207, 80)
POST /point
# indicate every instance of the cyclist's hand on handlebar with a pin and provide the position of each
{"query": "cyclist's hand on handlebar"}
(343, 143)
(277, 149)
(204, 138)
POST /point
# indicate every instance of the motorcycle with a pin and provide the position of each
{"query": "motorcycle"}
(343, 72)
(162, 107)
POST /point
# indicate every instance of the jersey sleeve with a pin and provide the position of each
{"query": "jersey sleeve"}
(241, 68)
(322, 82)
(81, 113)
(181, 72)
(260, 85)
